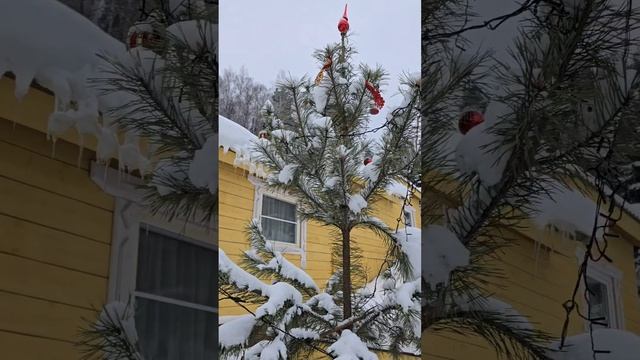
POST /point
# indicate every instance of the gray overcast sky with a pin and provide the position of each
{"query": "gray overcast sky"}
(269, 36)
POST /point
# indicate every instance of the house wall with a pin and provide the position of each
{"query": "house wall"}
(540, 271)
(55, 233)
(236, 201)
(236, 211)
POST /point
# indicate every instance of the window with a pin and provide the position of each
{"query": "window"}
(279, 220)
(599, 309)
(408, 217)
(175, 297)
(278, 215)
(604, 296)
(167, 269)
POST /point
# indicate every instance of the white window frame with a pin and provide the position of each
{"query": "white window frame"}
(609, 275)
(412, 215)
(129, 218)
(300, 246)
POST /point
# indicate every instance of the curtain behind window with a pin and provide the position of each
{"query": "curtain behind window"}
(276, 229)
(183, 271)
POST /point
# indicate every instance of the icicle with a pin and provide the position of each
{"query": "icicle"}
(81, 144)
(106, 168)
(53, 148)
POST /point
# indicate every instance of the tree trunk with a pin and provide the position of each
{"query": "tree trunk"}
(346, 273)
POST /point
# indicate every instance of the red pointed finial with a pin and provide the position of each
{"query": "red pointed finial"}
(343, 24)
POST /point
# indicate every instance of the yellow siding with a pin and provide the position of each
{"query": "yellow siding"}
(537, 281)
(236, 198)
(55, 234)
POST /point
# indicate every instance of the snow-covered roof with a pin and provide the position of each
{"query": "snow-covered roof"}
(238, 139)
(234, 136)
(46, 41)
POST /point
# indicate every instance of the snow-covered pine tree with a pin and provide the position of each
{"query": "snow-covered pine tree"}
(168, 91)
(561, 113)
(166, 94)
(319, 153)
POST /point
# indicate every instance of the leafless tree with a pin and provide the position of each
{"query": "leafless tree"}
(241, 98)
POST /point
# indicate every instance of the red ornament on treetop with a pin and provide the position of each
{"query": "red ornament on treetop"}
(343, 24)
(469, 120)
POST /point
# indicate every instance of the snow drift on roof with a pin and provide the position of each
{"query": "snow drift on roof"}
(53, 44)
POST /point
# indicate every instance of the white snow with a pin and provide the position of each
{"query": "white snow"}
(285, 135)
(357, 203)
(442, 252)
(237, 276)
(324, 301)
(321, 93)
(569, 210)
(51, 43)
(410, 241)
(236, 332)
(405, 295)
(278, 294)
(286, 174)
(302, 333)
(234, 136)
(623, 345)
(62, 58)
(283, 266)
(371, 172)
(331, 182)
(398, 189)
(129, 155)
(315, 120)
(203, 170)
(350, 347)
(274, 350)
(473, 155)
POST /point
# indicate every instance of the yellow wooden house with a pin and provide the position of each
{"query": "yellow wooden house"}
(75, 235)
(541, 269)
(241, 199)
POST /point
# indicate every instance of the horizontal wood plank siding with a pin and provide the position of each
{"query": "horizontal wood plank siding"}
(55, 234)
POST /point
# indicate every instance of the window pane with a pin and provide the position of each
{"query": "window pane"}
(278, 209)
(176, 269)
(171, 332)
(407, 218)
(598, 301)
(279, 230)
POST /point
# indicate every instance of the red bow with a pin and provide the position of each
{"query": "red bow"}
(377, 97)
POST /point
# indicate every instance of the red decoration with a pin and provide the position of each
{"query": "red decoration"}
(143, 38)
(343, 24)
(263, 134)
(367, 161)
(469, 120)
(377, 98)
